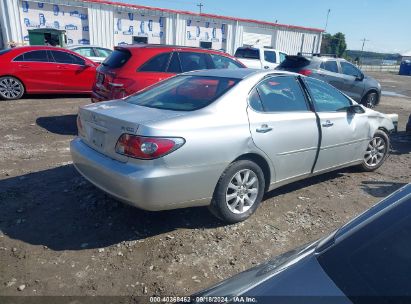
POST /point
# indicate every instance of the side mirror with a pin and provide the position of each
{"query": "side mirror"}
(355, 109)
(88, 64)
(359, 77)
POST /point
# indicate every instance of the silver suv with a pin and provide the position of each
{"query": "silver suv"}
(338, 72)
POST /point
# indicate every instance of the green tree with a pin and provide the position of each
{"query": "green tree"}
(334, 44)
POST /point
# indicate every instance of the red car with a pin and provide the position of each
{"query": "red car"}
(44, 70)
(132, 68)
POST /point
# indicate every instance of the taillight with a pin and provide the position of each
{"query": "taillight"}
(305, 72)
(119, 85)
(147, 147)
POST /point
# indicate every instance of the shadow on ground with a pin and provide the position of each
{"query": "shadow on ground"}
(401, 143)
(57, 208)
(62, 125)
(380, 189)
(55, 96)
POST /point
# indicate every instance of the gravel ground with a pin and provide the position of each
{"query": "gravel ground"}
(59, 235)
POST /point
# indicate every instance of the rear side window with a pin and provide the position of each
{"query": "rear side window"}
(117, 59)
(174, 65)
(270, 56)
(193, 61)
(222, 62)
(156, 64)
(64, 57)
(86, 52)
(326, 97)
(183, 93)
(34, 56)
(247, 53)
(103, 52)
(279, 94)
(282, 56)
(330, 65)
(295, 62)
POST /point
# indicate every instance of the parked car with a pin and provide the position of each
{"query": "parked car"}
(338, 72)
(259, 57)
(408, 127)
(44, 70)
(365, 261)
(132, 68)
(222, 138)
(95, 53)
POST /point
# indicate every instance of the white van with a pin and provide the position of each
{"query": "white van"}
(259, 57)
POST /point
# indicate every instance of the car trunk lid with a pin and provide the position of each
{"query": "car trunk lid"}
(102, 124)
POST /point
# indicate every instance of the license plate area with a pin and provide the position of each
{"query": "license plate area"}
(98, 139)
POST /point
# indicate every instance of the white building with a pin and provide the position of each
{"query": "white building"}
(108, 23)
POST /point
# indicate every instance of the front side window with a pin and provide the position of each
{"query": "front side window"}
(33, 56)
(279, 94)
(330, 65)
(349, 69)
(282, 57)
(326, 97)
(64, 57)
(270, 56)
(183, 93)
(193, 61)
(156, 64)
(222, 62)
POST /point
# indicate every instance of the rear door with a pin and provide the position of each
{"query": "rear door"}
(328, 72)
(353, 84)
(283, 126)
(37, 71)
(344, 136)
(74, 74)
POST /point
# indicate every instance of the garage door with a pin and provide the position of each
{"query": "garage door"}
(257, 36)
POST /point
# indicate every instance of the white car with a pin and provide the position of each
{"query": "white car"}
(259, 57)
(95, 53)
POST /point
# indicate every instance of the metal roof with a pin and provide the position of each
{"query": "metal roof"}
(136, 6)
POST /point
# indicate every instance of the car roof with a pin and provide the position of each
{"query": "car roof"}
(169, 48)
(237, 73)
(26, 48)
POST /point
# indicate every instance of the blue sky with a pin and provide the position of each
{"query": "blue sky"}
(386, 24)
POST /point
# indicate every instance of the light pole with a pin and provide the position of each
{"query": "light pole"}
(200, 5)
(326, 21)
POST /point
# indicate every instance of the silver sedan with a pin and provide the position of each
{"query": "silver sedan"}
(222, 138)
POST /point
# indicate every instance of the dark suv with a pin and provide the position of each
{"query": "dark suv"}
(132, 68)
(338, 72)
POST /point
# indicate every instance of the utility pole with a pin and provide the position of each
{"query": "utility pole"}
(200, 5)
(362, 49)
(326, 21)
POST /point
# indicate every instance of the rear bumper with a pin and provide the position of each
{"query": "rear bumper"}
(150, 188)
(95, 97)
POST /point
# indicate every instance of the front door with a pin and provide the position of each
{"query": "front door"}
(344, 136)
(283, 127)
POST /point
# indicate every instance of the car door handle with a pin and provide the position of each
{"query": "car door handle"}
(264, 129)
(23, 66)
(62, 67)
(327, 124)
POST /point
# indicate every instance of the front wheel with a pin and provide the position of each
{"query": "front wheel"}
(239, 191)
(370, 100)
(376, 152)
(11, 88)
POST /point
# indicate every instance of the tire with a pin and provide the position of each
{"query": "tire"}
(11, 88)
(234, 198)
(370, 100)
(376, 152)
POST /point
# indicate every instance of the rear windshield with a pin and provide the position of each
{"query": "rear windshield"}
(247, 53)
(4, 51)
(117, 59)
(183, 93)
(294, 62)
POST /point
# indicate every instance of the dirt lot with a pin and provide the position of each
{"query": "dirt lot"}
(59, 235)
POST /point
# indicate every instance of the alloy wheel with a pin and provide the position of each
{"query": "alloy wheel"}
(242, 191)
(371, 100)
(10, 88)
(376, 151)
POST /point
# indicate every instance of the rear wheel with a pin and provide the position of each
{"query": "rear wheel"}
(370, 100)
(377, 151)
(239, 192)
(11, 88)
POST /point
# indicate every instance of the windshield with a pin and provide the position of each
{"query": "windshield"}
(183, 93)
(117, 59)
